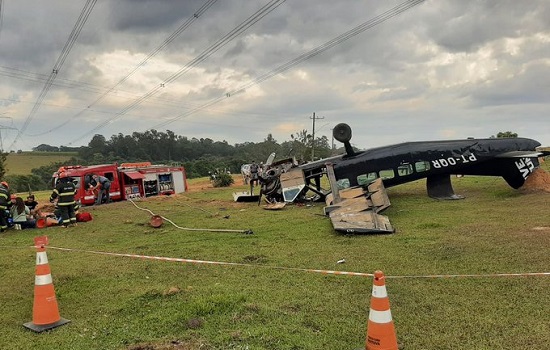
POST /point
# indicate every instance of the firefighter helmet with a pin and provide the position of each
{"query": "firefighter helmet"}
(5, 184)
(62, 175)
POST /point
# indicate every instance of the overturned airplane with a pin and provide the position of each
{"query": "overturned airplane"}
(358, 180)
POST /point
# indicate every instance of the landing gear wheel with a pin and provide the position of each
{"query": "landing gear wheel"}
(342, 132)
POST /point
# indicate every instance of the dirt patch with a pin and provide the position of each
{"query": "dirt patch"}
(205, 184)
(538, 181)
(46, 207)
(173, 345)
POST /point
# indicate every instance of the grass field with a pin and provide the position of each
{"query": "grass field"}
(269, 299)
(23, 163)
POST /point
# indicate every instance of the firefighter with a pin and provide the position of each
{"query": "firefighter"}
(4, 204)
(64, 192)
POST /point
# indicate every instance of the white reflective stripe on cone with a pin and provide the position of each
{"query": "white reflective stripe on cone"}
(379, 291)
(380, 316)
(43, 280)
(41, 258)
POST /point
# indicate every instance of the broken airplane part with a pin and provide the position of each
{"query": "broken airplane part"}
(245, 172)
(358, 180)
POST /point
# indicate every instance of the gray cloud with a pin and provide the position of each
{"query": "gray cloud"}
(442, 69)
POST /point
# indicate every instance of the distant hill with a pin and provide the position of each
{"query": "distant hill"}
(22, 163)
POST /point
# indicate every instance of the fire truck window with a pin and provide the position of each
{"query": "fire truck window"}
(366, 179)
(110, 176)
(165, 177)
(387, 174)
(422, 166)
(404, 169)
(76, 182)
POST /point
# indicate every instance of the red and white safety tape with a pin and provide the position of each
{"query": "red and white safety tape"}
(193, 261)
(325, 272)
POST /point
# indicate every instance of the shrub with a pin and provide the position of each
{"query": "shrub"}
(24, 183)
(223, 180)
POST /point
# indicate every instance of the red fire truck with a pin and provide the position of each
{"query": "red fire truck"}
(128, 180)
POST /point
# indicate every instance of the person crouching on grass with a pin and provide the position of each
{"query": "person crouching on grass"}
(21, 215)
(64, 192)
(31, 203)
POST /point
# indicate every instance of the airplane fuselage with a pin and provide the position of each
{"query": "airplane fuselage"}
(358, 180)
(512, 158)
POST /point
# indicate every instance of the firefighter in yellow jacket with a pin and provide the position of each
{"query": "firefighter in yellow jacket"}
(4, 203)
(64, 192)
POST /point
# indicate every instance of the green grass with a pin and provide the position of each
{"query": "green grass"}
(23, 163)
(128, 303)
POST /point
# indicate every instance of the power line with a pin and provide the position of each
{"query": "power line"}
(287, 66)
(1, 16)
(165, 103)
(250, 21)
(290, 64)
(166, 41)
(84, 14)
(20, 74)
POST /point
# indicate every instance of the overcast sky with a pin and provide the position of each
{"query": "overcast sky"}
(238, 70)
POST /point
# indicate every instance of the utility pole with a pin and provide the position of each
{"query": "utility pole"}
(313, 134)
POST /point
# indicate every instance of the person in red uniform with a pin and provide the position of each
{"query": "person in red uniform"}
(64, 193)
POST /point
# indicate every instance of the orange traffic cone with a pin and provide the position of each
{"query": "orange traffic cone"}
(380, 329)
(45, 313)
(46, 222)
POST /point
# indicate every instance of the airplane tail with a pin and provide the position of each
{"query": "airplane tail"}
(514, 169)
(517, 166)
(518, 170)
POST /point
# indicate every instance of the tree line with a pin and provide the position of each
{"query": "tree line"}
(200, 157)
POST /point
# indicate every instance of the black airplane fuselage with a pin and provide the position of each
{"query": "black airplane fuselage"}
(512, 158)
(367, 173)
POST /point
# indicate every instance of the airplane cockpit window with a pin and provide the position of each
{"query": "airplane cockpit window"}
(422, 166)
(405, 169)
(291, 193)
(366, 179)
(343, 183)
(387, 174)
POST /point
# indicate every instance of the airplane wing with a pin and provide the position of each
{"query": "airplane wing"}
(357, 210)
